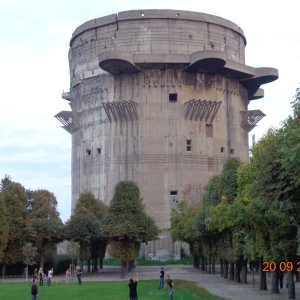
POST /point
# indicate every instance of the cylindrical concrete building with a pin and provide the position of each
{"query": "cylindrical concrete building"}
(159, 97)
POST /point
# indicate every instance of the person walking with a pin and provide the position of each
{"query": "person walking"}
(170, 284)
(133, 288)
(161, 278)
(78, 273)
(34, 290)
(49, 277)
(41, 276)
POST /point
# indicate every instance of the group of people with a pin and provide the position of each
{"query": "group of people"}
(162, 284)
(132, 282)
(70, 271)
(169, 283)
(40, 275)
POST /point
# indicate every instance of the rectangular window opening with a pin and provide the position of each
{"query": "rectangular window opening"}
(173, 193)
(222, 149)
(231, 151)
(173, 97)
(89, 151)
(99, 150)
(188, 145)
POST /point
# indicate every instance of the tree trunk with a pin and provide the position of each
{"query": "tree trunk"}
(42, 260)
(205, 263)
(196, 261)
(274, 283)
(94, 265)
(3, 270)
(231, 271)
(209, 265)
(26, 276)
(244, 271)
(202, 263)
(291, 285)
(124, 269)
(89, 265)
(225, 269)
(237, 271)
(81, 265)
(262, 277)
(213, 266)
(297, 277)
(101, 263)
(221, 267)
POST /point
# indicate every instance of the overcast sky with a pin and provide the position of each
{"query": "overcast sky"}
(35, 36)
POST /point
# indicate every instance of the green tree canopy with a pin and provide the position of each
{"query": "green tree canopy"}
(85, 226)
(14, 199)
(44, 226)
(126, 224)
(4, 228)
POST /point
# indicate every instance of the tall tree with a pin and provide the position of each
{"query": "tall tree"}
(4, 228)
(14, 198)
(44, 226)
(85, 227)
(127, 225)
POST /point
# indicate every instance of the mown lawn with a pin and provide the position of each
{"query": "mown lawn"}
(147, 290)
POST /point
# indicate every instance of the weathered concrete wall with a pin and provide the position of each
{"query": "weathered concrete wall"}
(159, 60)
(153, 149)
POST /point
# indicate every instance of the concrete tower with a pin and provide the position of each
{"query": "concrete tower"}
(159, 97)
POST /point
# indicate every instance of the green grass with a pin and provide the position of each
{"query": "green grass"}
(147, 290)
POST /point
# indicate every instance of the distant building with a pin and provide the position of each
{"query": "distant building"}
(159, 97)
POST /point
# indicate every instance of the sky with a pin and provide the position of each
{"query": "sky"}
(35, 151)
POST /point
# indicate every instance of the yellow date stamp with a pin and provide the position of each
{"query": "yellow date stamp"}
(281, 266)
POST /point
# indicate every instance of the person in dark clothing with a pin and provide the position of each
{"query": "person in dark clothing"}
(161, 279)
(170, 284)
(41, 276)
(34, 290)
(133, 288)
(78, 273)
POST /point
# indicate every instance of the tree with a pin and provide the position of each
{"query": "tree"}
(29, 255)
(4, 229)
(14, 197)
(183, 226)
(85, 227)
(127, 225)
(44, 226)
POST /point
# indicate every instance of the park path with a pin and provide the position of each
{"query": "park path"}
(215, 284)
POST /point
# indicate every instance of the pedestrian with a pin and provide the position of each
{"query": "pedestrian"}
(34, 290)
(161, 279)
(49, 277)
(133, 288)
(170, 284)
(41, 276)
(78, 273)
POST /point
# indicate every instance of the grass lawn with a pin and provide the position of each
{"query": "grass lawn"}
(147, 290)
